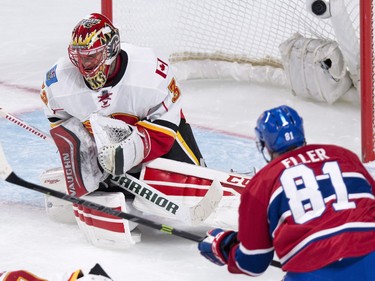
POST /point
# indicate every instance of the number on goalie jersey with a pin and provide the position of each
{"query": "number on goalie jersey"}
(312, 204)
(123, 82)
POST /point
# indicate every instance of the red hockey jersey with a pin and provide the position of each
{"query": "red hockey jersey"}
(313, 206)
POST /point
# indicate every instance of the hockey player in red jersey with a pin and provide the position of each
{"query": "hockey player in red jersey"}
(312, 204)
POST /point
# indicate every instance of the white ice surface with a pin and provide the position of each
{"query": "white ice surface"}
(34, 34)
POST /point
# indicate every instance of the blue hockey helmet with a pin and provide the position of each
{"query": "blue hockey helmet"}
(280, 129)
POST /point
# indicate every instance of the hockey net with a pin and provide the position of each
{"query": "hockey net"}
(240, 39)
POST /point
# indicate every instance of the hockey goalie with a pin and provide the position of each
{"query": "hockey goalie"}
(114, 109)
(182, 186)
(166, 190)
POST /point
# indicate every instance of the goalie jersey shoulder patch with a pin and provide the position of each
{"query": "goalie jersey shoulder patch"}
(51, 76)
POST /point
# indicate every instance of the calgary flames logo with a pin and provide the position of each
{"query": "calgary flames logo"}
(105, 98)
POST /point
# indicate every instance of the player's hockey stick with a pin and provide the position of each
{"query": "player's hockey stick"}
(7, 174)
(191, 214)
(25, 126)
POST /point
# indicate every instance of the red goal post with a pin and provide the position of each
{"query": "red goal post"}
(247, 34)
(367, 80)
(107, 8)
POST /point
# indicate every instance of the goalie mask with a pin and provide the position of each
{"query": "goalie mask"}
(279, 129)
(94, 45)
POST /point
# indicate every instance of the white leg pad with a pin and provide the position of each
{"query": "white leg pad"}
(57, 210)
(104, 230)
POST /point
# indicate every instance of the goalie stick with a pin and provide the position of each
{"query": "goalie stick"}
(7, 174)
(191, 214)
(194, 214)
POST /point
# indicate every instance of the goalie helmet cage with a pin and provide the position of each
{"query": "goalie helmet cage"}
(202, 38)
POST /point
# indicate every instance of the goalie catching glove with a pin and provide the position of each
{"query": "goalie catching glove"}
(120, 146)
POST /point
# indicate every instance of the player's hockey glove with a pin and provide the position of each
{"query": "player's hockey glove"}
(216, 246)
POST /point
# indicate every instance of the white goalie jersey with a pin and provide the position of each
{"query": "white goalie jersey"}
(144, 93)
(143, 89)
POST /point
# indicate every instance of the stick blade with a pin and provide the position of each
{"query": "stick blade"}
(5, 169)
(208, 204)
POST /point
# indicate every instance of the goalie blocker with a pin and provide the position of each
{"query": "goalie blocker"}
(78, 157)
